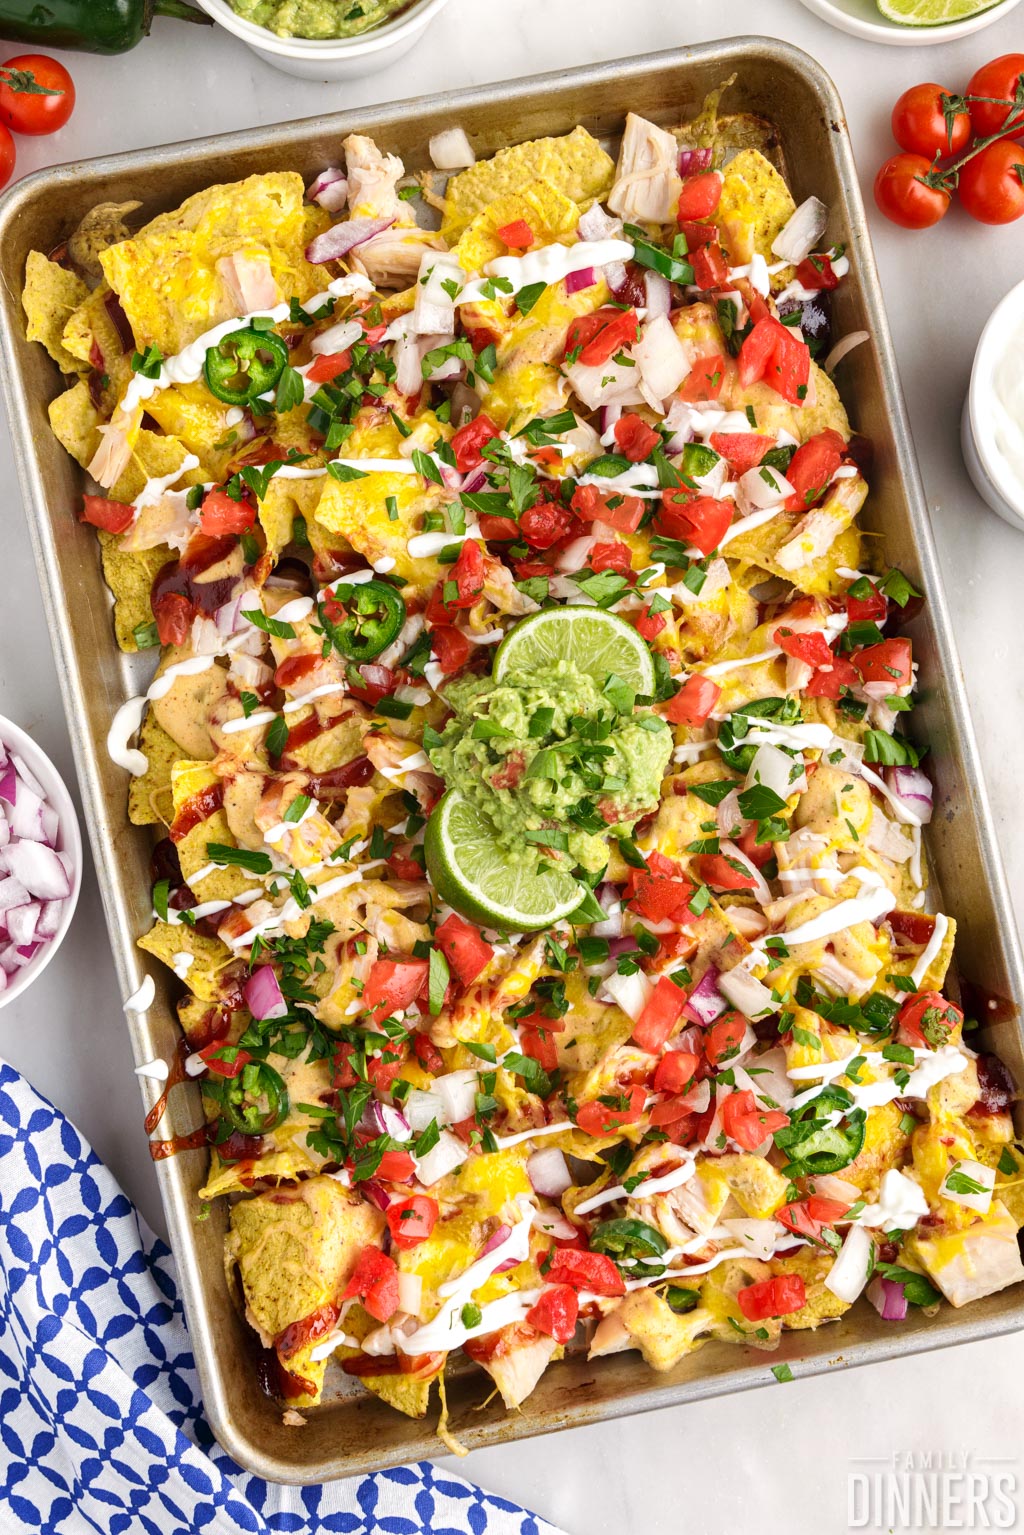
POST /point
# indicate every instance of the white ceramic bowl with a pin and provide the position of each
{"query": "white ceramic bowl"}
(69, 840)
(985, 464)
(862, 18)
(346, 58)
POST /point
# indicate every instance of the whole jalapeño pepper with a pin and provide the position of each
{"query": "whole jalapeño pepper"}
(92, 26)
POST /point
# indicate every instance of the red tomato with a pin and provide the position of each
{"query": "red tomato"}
(33, 111)
(704, 380)
(468, 575)
(661, 898)
(649, 625)
(919, 124)
(111, 516)
(375, 1281)
(789, 368)
(402, 865)
(543, 524)
(396, 1167)
(470, 440)
(723, 1039)
(741, 450)
(700, 196)
(464, 949)
(616, 556)
(829, 683)
(662, 1011)
(500, 529)
(624, 513)
(808, 1216)
(674, 1072)
(759, 853)
(715, 869)
(451, 648)
(428, 1055)
(926, 1019)
(694, 702)
(220, 513)
(813, 649)
(697, 234)
(991, 185)
(604, 1119)
(710, 268)
(757, 351)
(904, 198)
(411, 1221)
(748, 1125)
(1000, 79)
(381, 1070)
(888, 662)
(173, 614)
(393, 984)
(873, 609)
(342, 1073)
(602, 334)
(538, 1044)
(7, 155)
(518, 235)
(702, 520)
(775, 1297)
(634, 438)
(586, 1271)
(223, 1068)
(328, 365)
(556, 1312)
(817, 274)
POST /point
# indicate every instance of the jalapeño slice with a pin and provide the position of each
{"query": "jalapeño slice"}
(240, 1098)
(362, 619)
(244, 365)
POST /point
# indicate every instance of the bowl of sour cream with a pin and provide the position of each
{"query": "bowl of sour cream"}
(992, 426)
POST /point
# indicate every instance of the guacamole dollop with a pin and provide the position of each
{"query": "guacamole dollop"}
(318, 18)
(553, 759)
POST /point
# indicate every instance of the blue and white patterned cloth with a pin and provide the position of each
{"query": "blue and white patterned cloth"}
(101, 1427)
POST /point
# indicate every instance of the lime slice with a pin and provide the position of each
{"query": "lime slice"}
(931, 13)
(592, 639)
(475, 875)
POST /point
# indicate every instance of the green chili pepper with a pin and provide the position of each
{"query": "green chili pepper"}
(239, 1098)
(627, 1239)
(647, 254)
(92, 26)
(244, 365)
(816, 1147)
(371, 616)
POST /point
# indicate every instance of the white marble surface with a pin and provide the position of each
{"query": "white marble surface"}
(731, 1465)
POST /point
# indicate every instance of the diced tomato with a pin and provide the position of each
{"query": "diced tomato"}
(342, 1074)
(499, 529)
(724, 1038)
(926, 1019)
(807, 1217)
(613, 556)
(813, 649)
(661, 898)
(873, 609)
(773, 353)
(464, 949)
(697, 234)
(111, 516)
(428, 1055)
(830, 683)
(544, 523)
(700, 196)
(604, 1119)
(634, 439)
(470, 440)
(716, 870)
(404, 866)
(518, 235)
(468, 575)
(375, 1281)
(538, 1044)
(710, 268)
(649, 625)
(173, 614)
(328, 365)
(817, 274)
(396, 1167)
(411, 1221)
(779, 1296)
(222, 1068)
(624, 513)
(451, 648)
(662, 1011)
(759, 853)
(600, 335)
(741, 450)
(381, 1070)
(674, 1072)
(556, 1312)
(704, 380)
(678, 1122)
(377, 682)
(747, 1124)
(220, 513)
(889, 662)
(694, 702)
(700, 519)
(393, 984)
(812, 467)
(757, 351)
(586, 1271)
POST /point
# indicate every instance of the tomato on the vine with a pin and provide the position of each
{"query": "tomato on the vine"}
(904, 197)
(998, 82)
(7, 155)
(991, 184)
(37, 95)
(919, 124)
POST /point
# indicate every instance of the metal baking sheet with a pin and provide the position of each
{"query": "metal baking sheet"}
(353, 1433)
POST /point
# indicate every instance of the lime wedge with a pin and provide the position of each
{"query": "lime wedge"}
(592, 639)
(931, 13)
(475, 875)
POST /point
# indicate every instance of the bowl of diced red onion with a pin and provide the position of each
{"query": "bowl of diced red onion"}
(40, 861)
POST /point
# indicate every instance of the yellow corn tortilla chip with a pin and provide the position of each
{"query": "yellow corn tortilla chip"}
(549, 213)
(102, 226)
(754, 206)
(149, 797)
(574, 164)
(51, 294)
(209, 956)
(130, 578)
(827, 411)
(74, 421)
(90, 327)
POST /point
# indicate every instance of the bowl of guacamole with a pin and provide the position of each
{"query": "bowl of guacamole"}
(326, 39)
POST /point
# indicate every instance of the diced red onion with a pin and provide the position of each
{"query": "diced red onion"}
(330, 189)
(263, 995)
(385, 1119)
(119, 320)
(475, 480)
(849, 1273)
(408, 359)
(26, 775)
(609, 415)
(577, 281)
(457, 1091)
(630, 992)
(501, 1235)
(597, 224)
(39, 869)
(615, 275)
(376, 1193)
(843, 347)
(693, 161)
(549, 1173)
(888, 1298)
(705, 1002)
(27, 951)
(659, 294)
(12, 894)
(420, 1108)
(451, 150)
(49, 919)
(445, 1157)
(342, 238)
(914, 786)
(338, 339)
(26, 816)
(801, 233)
(9, 784)
(22, 922)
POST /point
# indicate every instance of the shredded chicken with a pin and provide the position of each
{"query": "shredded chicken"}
(647, 184)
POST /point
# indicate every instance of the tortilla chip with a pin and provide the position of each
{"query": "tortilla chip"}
(285, 500)
(90, 332)
(130, 578)
(754, 206)
(549, 213)
(102, 226)
(209, 956)
(74, 420)
(190, 413)
(827, 411)
(51, 294)
(574, 164)
(149, 797)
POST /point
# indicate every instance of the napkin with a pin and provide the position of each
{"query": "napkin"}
(101, 1425)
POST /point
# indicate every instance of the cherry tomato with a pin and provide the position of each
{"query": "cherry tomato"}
(37, 95)
(7, 156)
(904, 198)
(999, 79)
(919, 125)
(991, 185)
